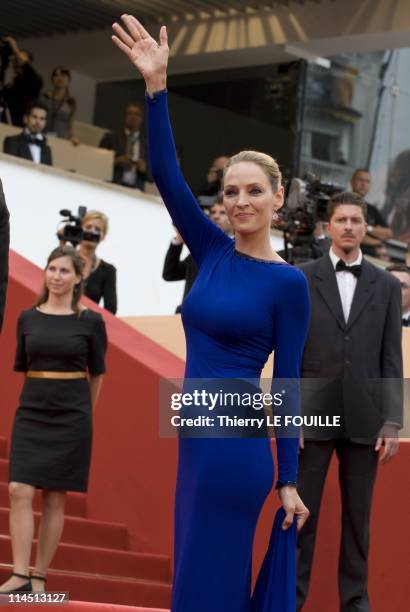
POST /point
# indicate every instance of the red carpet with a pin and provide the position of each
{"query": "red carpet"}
(92, 562)
(118, 539)
(81, 606)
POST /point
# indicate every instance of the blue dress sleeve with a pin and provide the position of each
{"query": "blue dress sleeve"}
(199, 233)
(291, 325)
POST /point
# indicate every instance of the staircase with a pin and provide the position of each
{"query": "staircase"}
(92, 562)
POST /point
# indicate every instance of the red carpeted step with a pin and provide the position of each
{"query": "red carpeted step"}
(104, 589)
(79, 530)
(3, 448)
(102, 561)
(75, 504)
(4, 470)
(86, 606)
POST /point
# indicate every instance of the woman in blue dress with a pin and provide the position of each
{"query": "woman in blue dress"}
(245, 302)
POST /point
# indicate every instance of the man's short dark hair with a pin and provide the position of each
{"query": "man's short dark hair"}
(133, 104)
(36, 104)
(398, 268)
(346, 197)
(358, 170)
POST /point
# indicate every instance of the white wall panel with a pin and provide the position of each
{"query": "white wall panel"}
(137, 242)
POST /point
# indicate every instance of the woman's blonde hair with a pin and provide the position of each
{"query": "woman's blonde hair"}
(78, 265)
(96, 214)
(267, 163)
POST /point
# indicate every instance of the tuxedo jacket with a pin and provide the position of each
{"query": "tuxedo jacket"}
(117, 142)
(4, 252)
(18, 146)
(353, 369)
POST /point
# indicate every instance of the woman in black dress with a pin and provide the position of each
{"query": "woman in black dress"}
(61, 347)
(100, 277)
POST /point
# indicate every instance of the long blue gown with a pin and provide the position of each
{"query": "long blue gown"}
(238, 310)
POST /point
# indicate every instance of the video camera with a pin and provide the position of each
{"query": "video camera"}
(306, 204)
(70, 229)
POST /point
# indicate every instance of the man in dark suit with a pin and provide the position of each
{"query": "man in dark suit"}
(377, 228)
(4, 252)
(130, 149)
(353, 363)
(31, 143)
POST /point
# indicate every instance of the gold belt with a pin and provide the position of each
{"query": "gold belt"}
(55, 375)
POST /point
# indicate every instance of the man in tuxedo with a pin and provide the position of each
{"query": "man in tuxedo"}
(4, 252)
(31, 143)
(402, 273)
(130, 149)
(352, 364)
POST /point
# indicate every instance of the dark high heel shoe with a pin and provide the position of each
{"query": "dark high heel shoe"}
(24, 588)
(35, 577)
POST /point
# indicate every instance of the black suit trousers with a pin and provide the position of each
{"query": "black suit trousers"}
(357, 475)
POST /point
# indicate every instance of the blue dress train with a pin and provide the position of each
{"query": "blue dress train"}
(238, 310)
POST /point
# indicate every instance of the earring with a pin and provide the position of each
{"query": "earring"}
(275, 216)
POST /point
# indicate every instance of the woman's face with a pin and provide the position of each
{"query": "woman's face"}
(60, 277)
(249, 199)
(60, 79)
(96, 226)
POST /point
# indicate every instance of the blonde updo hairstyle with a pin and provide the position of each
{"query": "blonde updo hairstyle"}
(90, 215)
(267, 163)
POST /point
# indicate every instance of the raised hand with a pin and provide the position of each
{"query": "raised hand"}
(143, 51)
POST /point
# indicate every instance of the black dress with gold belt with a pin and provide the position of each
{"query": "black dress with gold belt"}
(52, 431)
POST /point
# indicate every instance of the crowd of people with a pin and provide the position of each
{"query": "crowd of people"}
(52, 112)
(241, 300)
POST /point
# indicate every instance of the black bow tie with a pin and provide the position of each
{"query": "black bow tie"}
(355, 270)
(34, 140)
(406, 322)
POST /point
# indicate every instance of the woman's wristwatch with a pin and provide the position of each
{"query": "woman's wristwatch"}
(286, 483)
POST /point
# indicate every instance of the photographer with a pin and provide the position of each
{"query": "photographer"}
(175, 268)
(214, 177)
(26, 85)
(377, 227)
(303, 221)
(99, 276)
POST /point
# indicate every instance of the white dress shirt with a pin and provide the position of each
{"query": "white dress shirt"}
(129, 176)
(346, 282)
(35, 149)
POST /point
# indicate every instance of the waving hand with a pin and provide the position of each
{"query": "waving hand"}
(143, 51)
